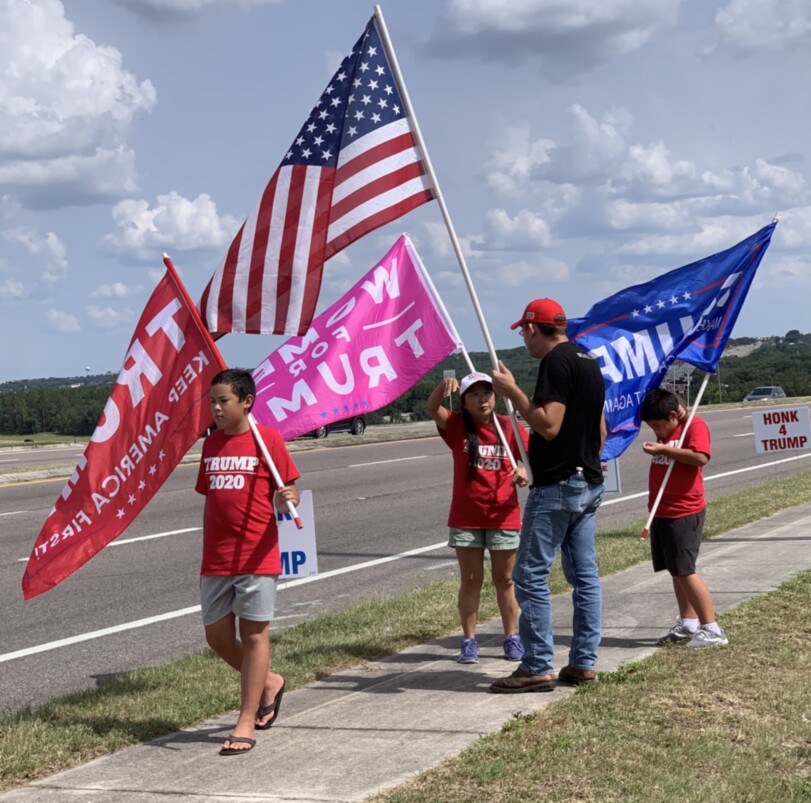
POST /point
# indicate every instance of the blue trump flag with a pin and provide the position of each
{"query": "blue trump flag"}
(687, 314)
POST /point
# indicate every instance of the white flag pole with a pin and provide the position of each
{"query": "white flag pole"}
(274, 472)
(669, 471)
(457, 248)
(449, 324)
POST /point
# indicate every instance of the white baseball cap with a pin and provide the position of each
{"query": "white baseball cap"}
(472, 379)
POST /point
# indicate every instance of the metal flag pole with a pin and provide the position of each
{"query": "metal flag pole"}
(457, 248)
(669, 471)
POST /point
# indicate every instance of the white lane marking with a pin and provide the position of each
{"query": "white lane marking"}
(715, 477)
(13, 513)
(304, 580)
(12, 460)
(381, 462)
(744, 435)
(107, 631)
(163, 617)
(142, 538)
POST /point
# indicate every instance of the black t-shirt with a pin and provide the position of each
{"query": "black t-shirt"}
(571, 376)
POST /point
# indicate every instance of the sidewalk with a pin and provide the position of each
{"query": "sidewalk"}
(373, 726)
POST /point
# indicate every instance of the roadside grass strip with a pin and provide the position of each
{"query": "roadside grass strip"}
(144, 704)
(694, 726)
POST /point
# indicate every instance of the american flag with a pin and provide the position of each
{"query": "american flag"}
(353, 167)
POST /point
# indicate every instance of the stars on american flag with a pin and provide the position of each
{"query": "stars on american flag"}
(361, 97)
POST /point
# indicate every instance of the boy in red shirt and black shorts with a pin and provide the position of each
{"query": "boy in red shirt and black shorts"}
(241, 560)
(678, 527)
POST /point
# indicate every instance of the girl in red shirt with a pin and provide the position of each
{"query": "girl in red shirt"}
(484, 507)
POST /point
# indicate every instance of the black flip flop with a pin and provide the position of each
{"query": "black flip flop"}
(273, 708)
(234, 751)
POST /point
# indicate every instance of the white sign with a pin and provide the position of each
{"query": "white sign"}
(611, 477)
(297, 547)
(782, 430)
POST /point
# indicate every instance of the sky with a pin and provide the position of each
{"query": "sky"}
(581, 146)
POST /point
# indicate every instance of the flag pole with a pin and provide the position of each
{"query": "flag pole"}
(669, 471)
(449, 321)
(498, 429)
(457, 248)
(273, 470)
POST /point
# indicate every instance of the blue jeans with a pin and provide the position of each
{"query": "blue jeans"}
(561, 517)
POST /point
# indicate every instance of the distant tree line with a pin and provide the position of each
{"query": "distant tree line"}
(63, 411)
(783, 361)
(73, 406)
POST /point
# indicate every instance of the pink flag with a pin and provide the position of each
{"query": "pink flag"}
(367, 349)
(353, 167)
(158, 408)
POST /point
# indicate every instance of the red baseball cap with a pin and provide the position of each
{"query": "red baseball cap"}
(542, 310)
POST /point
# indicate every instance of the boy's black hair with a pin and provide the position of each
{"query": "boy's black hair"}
(239, 379)
(658, 404)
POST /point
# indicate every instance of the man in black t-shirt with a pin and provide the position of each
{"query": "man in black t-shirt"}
(568, 432)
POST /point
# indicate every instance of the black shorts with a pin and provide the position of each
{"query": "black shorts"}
(674, 543)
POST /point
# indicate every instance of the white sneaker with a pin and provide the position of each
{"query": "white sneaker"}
(708, 638)
(676, 634)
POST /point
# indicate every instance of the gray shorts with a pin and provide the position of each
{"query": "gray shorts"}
(479, 539)
(248, 596)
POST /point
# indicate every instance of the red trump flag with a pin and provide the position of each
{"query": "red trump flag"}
(157, 409)
(353, 167)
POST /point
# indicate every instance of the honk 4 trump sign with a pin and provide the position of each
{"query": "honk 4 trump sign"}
(781, 430)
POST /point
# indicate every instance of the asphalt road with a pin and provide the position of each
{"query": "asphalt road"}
(372, 501)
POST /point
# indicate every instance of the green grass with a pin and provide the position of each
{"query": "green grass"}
(150, 702)
(707, 726)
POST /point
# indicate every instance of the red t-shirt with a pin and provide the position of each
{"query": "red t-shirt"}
(489, 501)
(239, 533)
(684, 492)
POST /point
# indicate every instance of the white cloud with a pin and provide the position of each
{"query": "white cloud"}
(66, 104)
(562, 36)
(515, 159)
(525, 230)
(439, 241)
(598, 180)
(50, 246)
(12, 288)
(623, 215)
(783, 272)
(175, 223)
(713, 235)
(758, 25)
(174, 9)
(794, 229)
(62, 322)
(654, 167)
(596, 151)
(108, 318)
(114, 290)
(525, 273)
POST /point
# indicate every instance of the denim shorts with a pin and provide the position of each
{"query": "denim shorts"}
(248, 596)
(479, 539)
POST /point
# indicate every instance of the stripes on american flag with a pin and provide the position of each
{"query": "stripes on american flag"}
(353, 167)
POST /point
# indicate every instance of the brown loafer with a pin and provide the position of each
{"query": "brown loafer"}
(570, 676)
(522, 681)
